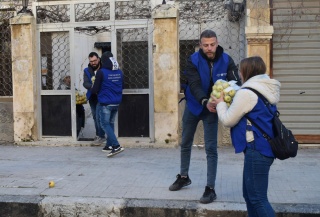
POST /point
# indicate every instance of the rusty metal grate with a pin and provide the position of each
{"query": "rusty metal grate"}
(92, 11)
(55, 60)
(127, 10)
(53, 14)
(132, 50)
(5, 53)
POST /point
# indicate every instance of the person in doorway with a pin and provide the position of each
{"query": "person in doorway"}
(65, 84)
(89, 76)
(108, 86)
(246, 138)
(204, 67)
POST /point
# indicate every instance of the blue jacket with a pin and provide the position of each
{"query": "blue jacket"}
(219, 71)
(88, 74)
(261, 116)
(111, 86)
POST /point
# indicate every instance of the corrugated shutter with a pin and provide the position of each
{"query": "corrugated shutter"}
(296, 64)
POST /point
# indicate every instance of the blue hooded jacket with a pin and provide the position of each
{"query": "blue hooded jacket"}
(109, 82)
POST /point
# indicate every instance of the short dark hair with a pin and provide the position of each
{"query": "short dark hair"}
(208, 34)
(92, 54)
(252, 66)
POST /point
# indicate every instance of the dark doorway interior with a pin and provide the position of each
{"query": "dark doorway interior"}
(56, 115)
(134, 116)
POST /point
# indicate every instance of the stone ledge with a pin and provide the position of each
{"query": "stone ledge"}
(165, 11)
(22, 19)
(87, 206)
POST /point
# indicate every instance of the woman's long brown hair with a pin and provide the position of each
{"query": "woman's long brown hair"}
(252, 66)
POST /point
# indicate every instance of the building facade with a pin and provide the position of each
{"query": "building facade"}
(151, 43)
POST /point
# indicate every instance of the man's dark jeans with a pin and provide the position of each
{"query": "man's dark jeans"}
(93, 105)
(189, 126)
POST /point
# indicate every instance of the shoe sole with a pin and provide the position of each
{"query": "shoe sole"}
(189, 183)
(106, 150)
(210, 201)
(113, 154)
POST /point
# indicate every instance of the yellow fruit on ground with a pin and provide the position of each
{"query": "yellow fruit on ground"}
(51, 184)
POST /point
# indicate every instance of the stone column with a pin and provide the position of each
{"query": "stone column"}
(258, 30)
(166, 75)
(24, 77)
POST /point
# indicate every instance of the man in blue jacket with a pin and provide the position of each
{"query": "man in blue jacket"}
(204, 67)
(89, 74)
(108, 86)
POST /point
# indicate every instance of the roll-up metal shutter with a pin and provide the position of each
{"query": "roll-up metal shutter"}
(296, 64)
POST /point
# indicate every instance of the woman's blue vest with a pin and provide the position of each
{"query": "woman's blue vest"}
(261, 116)
(219, 71)
(88, 94)
(111, 87)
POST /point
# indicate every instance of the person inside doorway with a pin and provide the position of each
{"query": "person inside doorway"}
(65, 84)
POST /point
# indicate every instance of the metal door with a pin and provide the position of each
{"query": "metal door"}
(68, 32)
(296, 54)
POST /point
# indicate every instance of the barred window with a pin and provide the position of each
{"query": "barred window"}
(5, 54)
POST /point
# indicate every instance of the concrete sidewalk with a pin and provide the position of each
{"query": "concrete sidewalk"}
(135, 183)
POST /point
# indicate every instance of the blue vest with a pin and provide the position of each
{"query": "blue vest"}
(263, 118)
(111, 87)
(219, 71)
(88, 94)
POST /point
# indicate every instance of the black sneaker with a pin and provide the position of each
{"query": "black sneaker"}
(107, 148)
(208, 196)
(115, 150)
(179, 183)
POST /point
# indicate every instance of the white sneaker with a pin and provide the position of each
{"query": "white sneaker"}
(115, 151)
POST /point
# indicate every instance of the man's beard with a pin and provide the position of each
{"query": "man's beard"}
(95, 67)
(211, 57)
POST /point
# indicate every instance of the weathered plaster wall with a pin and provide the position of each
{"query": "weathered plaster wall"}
(24, 78)
(166, 76)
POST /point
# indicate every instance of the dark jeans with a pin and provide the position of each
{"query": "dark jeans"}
(255, 183)
(93, 105)
(189, 126)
